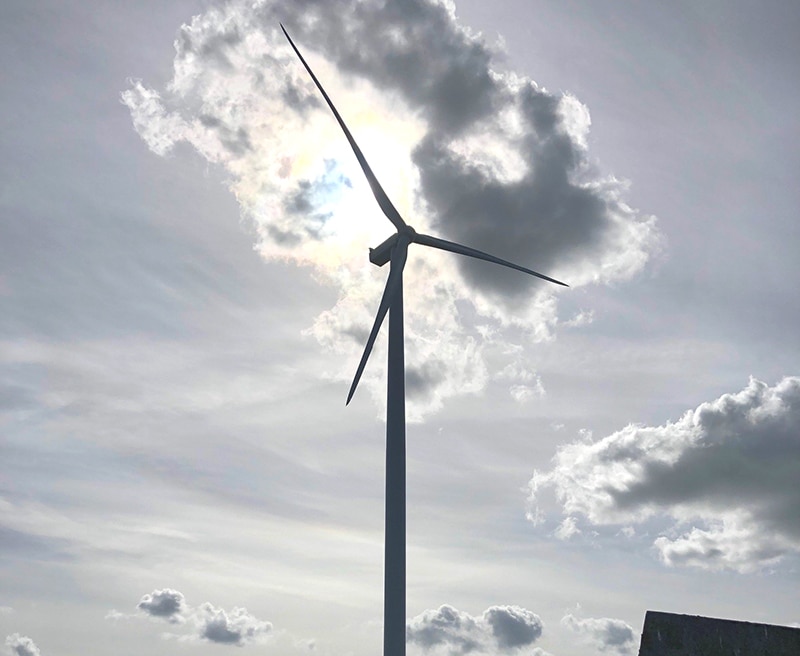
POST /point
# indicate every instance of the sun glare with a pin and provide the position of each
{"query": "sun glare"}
(356, 219)
(346, 216)
(389, 156)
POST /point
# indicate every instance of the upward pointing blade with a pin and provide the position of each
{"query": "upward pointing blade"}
(399, 253)
(380, 195)
(435, 242)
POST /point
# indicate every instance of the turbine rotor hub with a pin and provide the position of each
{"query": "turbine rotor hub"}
(408, 230)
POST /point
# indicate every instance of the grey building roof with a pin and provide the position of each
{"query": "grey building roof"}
(668, 634)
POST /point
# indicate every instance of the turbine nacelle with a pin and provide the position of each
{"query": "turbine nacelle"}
(382, 253)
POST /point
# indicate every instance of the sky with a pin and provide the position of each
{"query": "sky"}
(185, 293)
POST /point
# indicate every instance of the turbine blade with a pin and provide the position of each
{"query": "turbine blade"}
(380, 195)
(435, 242)
(398, 261)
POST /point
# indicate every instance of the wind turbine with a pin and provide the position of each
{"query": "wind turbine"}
(394, 250)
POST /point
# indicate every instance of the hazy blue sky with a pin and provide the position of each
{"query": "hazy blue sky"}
(185, 291)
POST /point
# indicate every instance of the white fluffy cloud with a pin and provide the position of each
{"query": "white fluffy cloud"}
(208, 622)
(19, 645)
(466, 150)
(236, 627)
(165, 604)
(605, 634)
(500, 629)
(724, 475)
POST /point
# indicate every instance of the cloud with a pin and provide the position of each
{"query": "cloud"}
(307, 645)
(724, 476)
(465, 149)
(504, 628)
(19, 645)
(115, 616)
(513, 626)
(166, 604)
(445, 626)
(605, 634)
(236, 627)
(567, 529)
(208, 622)
(526, 385)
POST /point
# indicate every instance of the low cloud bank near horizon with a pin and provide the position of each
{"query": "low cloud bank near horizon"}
(468, 151)
(724, 477)
(499, 629)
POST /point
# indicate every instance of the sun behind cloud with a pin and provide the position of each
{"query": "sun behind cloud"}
(465, 150)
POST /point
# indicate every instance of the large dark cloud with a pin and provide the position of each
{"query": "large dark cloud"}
(498, 629)
(551, 211)
(727, 470)
(555, 212)
(472, 152)
(413, 47)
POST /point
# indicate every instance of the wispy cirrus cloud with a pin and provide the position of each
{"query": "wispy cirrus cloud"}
(478, 154)
(724, 477)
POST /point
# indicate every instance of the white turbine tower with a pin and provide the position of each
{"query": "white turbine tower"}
(394, 250)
